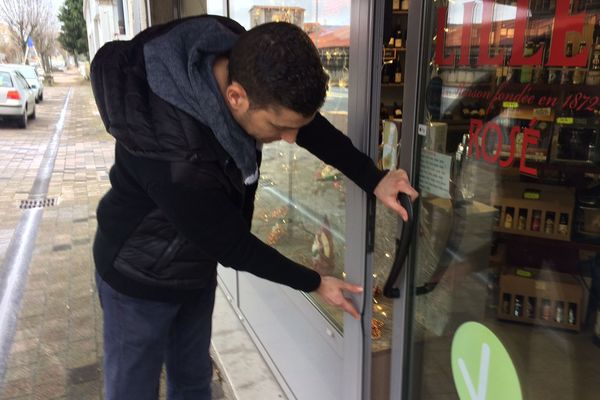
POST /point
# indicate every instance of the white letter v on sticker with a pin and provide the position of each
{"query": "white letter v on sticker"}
(484, 366)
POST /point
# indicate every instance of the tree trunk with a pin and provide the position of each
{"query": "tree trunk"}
(23, 52)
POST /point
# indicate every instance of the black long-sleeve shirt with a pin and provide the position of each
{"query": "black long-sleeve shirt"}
(206, 216)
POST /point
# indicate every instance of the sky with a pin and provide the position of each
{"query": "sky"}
(56, 5)
(330, 12)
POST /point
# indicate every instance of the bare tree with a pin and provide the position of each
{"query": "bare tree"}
(45, 40)
(24, 18)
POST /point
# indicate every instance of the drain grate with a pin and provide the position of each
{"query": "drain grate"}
(38, 203)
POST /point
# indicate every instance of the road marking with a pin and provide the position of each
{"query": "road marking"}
(13, 273)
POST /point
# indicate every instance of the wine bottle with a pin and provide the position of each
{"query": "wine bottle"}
(527, 70)
(522, 220)
(398, 38)
(508, 217)
(539, 71)
(563, 224)
(593, 75)
(566, 76)
(579, 74)
(546, 312)
(530, 308)
(398, 70)
(386, 71)
(518, 311)
(500, 77)
(512, 74)
(559, 315)
(549, 224)
(572, 317)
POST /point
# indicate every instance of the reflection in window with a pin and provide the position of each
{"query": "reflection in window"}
(120, 14)
(300, 206)
(163, 11)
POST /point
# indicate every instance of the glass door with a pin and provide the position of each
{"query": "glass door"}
(500, 294)
(310, 213)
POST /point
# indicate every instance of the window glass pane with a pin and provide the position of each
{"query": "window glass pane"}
(300, 205)
(5, 80)
(120, 17)
(162, 11)
(507, 253)
(167, 10)
(216, 7)
(192, 7)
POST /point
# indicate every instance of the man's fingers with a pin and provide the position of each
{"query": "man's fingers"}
(353, 288)
(405, 187)
(395, 205)
(349, 308)
(403, 184)
(332, 291)
(347, 303)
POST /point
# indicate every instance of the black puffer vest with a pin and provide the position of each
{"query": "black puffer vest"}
(148, 249)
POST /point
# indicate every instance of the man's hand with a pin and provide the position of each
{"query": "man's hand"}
(387, 190)
(331, 290)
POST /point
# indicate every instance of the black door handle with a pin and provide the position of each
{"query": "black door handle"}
(402, 246)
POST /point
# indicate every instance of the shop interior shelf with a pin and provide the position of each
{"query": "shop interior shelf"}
(581, 245)
(568, 167)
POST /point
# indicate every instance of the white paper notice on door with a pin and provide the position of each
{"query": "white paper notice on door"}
(434, 177)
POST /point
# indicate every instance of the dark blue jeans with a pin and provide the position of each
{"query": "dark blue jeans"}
(141, 335)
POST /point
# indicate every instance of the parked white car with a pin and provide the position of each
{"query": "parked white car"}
(34, 80)
(17, 97)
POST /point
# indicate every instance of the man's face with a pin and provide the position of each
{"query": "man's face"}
(270, 124)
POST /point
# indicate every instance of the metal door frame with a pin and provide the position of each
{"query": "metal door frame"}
(363, 120)
(416, 65)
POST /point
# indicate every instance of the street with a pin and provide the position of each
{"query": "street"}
(55, 347)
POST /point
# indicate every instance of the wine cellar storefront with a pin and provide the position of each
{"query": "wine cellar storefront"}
(492, 289)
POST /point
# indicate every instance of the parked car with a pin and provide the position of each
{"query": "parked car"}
(17, 97)
(34, 80)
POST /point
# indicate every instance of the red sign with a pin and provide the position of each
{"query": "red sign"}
(563, 22)
(481, 133)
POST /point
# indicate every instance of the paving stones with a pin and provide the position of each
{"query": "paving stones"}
(57, 348)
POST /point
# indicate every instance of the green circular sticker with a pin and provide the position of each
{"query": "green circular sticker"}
(481, 366)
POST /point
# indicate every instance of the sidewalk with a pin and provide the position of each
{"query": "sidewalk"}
(57, 348)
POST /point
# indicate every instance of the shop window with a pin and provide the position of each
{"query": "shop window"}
(217, 7)
(189, 8)
(300, 206)
(119, 13)
(164, 11)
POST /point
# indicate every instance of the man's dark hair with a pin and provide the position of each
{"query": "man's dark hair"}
(278, 64)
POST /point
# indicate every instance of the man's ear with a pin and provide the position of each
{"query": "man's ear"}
(237, 98)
